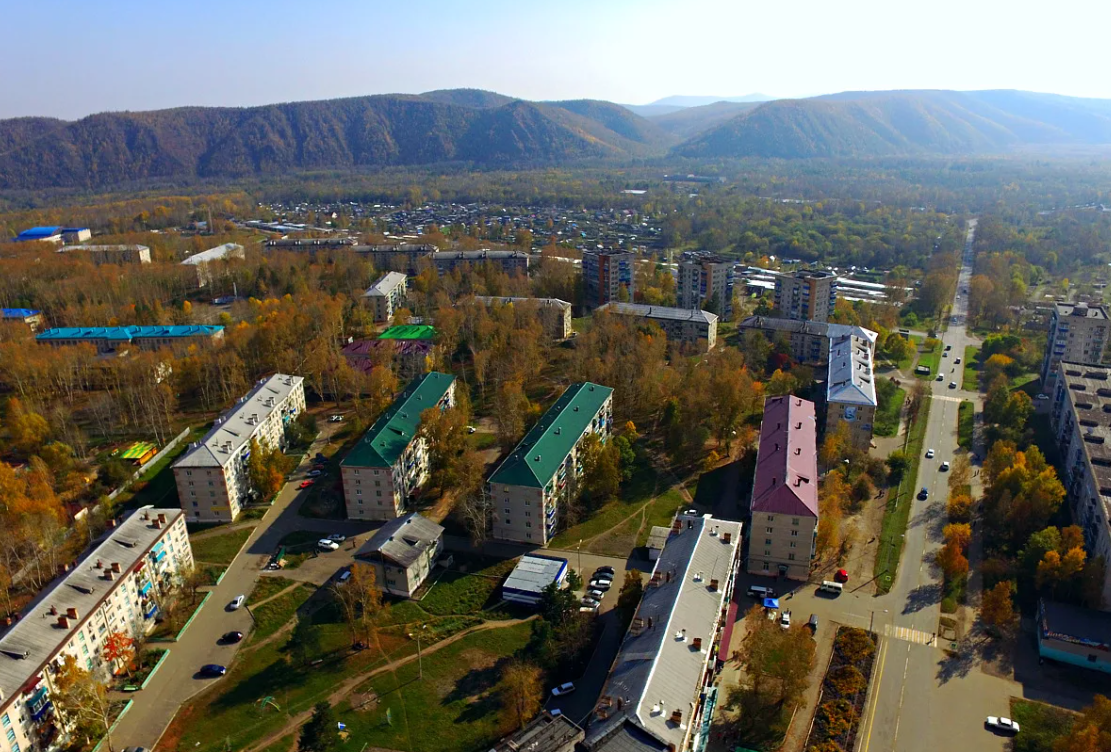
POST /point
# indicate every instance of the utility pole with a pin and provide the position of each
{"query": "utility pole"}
(578, 550)
(420, 659)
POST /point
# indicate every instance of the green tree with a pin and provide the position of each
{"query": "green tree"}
(321, 733)
(632, 590)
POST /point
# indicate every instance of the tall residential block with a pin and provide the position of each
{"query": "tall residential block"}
(706, 283)
(605, 273)
(1077, 334)
(386, 295)
(851, 388)
(383, 471)
(529, 486)
(783, 524)
(806, 295)
(117, 587)
(213, 483)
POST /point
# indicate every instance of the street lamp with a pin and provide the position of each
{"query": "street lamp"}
(420, 660)
(578, 550)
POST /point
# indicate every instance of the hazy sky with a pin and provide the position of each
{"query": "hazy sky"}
(70, 59)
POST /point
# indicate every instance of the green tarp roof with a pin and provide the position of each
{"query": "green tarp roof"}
(409, 331)
(383, 444)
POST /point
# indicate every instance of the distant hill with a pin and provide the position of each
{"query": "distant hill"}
(479, 98)
(19, 131)
(866, 124)
(687, 122)
(696, 101)
(652, 110)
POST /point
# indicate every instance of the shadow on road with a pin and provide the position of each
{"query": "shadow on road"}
(922, 597)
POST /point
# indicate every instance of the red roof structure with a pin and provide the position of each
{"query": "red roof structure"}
(787, 459)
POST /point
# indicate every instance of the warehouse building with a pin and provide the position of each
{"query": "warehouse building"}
(111, 338)
(533, 573)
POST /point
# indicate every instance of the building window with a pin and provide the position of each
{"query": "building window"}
(794, 520)
(771, 518)
(767, 541)
(358, 492)
(794, 533)
(528, 524)
(765, 566)
(769, 530)
(767, 552)
(377, 493)
(793, 544)
(507, 510)
(791, 557)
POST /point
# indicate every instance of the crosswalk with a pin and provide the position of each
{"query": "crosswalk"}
(910, 635)
(947, 398)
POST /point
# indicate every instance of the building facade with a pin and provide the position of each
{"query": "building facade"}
(204, 261)
(386, 296)
(116, 588)
(385, 469)
(1077, 334)
(110, 254)
(409, 357)
(110, 338)
(808, 341)
(312, 245)
(806, 295)
(213, 483)
(554, 314)
(402, 553)
(851, 389)
(513, 263)
(695, 329)
(606, 272)
(1080, 414)
(1075, 636)
(704, 278)
(407, 258)
(784, 508)
(529, 486)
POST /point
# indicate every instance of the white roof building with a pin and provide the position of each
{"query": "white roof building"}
(851, 379)
(226, 250)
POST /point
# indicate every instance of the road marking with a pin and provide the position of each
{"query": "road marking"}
(908, 634)
(875, 695)
(947, 398)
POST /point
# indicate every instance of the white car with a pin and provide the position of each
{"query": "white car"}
(327, 545)
(929, 454)
(563, 689)
(1042, 397)
(602, 585)
(785, 619)
(335, 418)
(1006, 725)
(236, 602)
(596, 593)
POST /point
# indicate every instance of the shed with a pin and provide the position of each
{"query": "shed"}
(532, 574)
(656, 541)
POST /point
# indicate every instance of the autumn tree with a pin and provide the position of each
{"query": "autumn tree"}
(778, 661)
(833, 498)
(1091, 732)
(511, 410)
(601, 475)
(267, 468)
(119, 651)
(27, 429)
(82, 698)
(521, 692)
(359, 600)
(996, 609)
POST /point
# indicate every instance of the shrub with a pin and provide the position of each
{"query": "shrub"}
(855, 645)
(846, 681)
(836, 717)
(827, 746)
(949, 605)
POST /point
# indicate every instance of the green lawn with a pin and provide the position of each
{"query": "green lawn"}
(897, 513)
(459, 593)
(455, 708)
(273, 615)
(966, 414)
(480, 441)
(220, 549)
(971, 363)
(631, 499)
(1041, 724)
(930, 358)
(156, 486)
(661, 512)
(268, 586)
(891, 400)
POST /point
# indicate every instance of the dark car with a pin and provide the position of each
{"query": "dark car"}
(923, 494)
(604, 570)
(213, 669)
(231, 637)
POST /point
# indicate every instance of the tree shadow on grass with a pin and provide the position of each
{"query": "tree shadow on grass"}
(477, 688)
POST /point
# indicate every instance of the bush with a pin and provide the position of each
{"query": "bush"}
(855, 645)
(827, 746)
(846, 681)
(836, 717)
(949, 605)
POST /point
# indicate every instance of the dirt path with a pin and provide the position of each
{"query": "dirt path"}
(349, 685)
(223, 529)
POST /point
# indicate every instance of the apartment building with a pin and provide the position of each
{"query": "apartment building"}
(851, 389)
(554, 314)
(530, 484)
(706, 283)
(806, 295)
(111, 338)
(213, 483)
(1080, 414)
(513, 263)
(606, 272)
(695, 329)
(312, 245)
(407, 258)
(110, 254)
(659, 695)
(1077, 334)
(783, 523)
(205, 261)
(808, 341)
(28, 316)
(117, 587)
(386, 296)
(383, 472)
(402, 553)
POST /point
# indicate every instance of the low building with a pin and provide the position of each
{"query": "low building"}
(533, 573)
(384, 470)
(311, 245)
(28, 316)
(204, 261)
(808, 341)
(110, 254)
(213, 483)
(115, 588)
(554, 314)
(783, 520)
(402, 553)
(695, 329)
(851, 389)
(1080, 414)
(111, 338)
(513, 263)
(1074, 635)
(530, 484)
(1077, 334)
(408, 258)
(659, 694)
(544, 733)
(54, 234)
(656, 540)
(386, 295)
(410, 357)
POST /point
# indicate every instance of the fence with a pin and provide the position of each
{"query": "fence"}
(141, 471)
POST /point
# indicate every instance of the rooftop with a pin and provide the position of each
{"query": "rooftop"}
(851, 380)
(478, 255)
(659, 668)
(544, 733)
(533, 573)
(402, 540)
(1063, 620)
(786, 479)
(234, 429)
(385, 284)
(114, 247)
(543, 302)
(535, 460)
(409, 331)
(813, 328)
(215, 254)
(606, 252)
(18, 313)
(32, 641)
(658, 537)
(39, 233)
(1089, 395)
(660, 312)
(812, 274)
(703, 257)
(126, 333)
(384, 442)
(1082, 310)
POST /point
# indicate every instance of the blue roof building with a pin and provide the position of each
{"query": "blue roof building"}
(107, 338)
(51, 232)
(18, 313)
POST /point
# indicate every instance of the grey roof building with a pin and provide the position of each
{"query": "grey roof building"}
(698, 329)
(386, 295)
(809, 340)
(545, 733)
(403, 552)
(532, 574)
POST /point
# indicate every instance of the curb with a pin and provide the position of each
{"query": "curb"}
(153, 671)
(194, 616)
(115, 723)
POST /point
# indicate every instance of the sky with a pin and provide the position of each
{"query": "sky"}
(71, 59)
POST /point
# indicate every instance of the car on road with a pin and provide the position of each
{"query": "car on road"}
(337, 537)
(305, 484)
(229, 638)
(924, 494)
(952, 385)
(1005, 725)
(335, 418)
(945, 355)
(940, 377)
(316, 472)
(1042, 397)
(563, 689)
(596, 593)
(603, 571)
(601, 584)
(813, 623)
(785, 619)
(471, 429)
(344, 576)
(929, 454)
(213, 669)
(957, 361)
(944, 466)
(327, 545)
(236, 602)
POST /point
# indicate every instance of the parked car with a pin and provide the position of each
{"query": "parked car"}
(316, 472)
(841, 575)
(335, 418)
(213, 670)
(344, 576)
(785, 619)
(471, 429)
(813, 623)
(952, 385)
(944, 466)
(957, 361)
(229, 638)
(337, 537)
(305, 484)
(588, 609)
(1005, 725)
(603, 571)
(945, 355)
(236, 602)
(591, 602)
(929, 454)
(596, 593)
(327, 545)
(924, 494)
(563, 689)
(602, 585)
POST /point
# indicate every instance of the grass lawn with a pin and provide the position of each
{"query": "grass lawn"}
(1024, 380)
(1041, 724)
(891, 400)
(220, 549)
(466, 593)
(966, 414)
(273, 615)
(897, 513)
(455, 708)
(661, 512)
(929, 358)
(971, 363)
(266, 587)
(156, 486)
(480, 441)
(640, 491)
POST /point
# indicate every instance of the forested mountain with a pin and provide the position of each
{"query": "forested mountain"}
(687, 122)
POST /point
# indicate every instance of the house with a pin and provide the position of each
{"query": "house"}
(110, 254)
(110, 338)
(386, 296)
(608, 276)
(783, 522)
(1074, 635)
(554, 314)
(806, 295)
(204, 261)
(851, 389)
(697, 330)
(538, 475)
(213, 482)
(383, 471)
(533, 573)
(30, 317)
(1077, 334)
(402, 553)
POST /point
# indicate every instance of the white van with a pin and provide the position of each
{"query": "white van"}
(758, 591)
(831, 587)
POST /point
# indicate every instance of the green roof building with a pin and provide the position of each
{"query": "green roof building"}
(528, 486)
(384, 470)
(409, 331)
